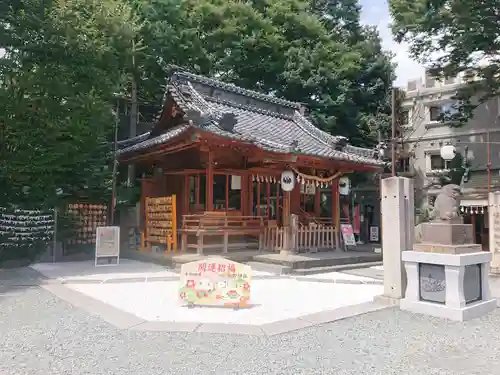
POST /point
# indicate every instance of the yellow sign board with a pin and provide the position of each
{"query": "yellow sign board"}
(161, 222)
(215, 282)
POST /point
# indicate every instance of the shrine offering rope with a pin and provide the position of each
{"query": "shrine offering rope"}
(315, 179)
(25, 227)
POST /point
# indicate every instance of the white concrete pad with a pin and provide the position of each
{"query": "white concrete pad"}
(337, 276)
(378, 268)
(272, 299)
(86, 271)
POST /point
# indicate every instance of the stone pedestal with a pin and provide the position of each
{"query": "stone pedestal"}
(447, 274)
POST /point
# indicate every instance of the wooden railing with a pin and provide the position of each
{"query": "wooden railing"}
(218, 224)
(303, 238)
(306, 218)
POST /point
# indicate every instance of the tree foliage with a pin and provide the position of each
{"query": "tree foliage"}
(316, 53)
(451, 37)
(64, 62)
(67, 59)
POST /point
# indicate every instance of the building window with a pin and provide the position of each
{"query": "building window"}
(405, 117)
(404, 165)
(437, 162)
(435, 113)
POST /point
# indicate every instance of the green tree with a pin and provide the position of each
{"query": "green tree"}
(283, 47)
(454, 36)
(64, 63)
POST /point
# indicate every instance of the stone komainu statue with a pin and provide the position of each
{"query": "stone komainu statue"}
(447, 204)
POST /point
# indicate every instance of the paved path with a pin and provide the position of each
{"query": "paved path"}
(44, 335)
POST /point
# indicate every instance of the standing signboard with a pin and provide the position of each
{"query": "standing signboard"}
(348, 234)
(215, 282)
(107, 246)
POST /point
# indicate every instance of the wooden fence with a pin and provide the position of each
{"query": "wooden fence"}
(304, 238)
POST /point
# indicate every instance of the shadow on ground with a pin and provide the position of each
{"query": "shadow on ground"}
(15, 280)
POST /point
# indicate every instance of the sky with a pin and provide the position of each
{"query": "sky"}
(376, 12)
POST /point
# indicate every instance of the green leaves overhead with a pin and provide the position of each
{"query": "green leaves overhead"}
(316, 53)
(68, 59)
(454, 36)
(64, 62)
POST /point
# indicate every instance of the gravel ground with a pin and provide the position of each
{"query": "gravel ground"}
(41, 334)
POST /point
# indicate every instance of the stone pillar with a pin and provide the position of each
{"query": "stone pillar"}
(494, 231)
(409, 191)
(397, 208)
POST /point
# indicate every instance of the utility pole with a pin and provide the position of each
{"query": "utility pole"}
(393, 132)
(488, 151)
(115, 165)
(133, 116)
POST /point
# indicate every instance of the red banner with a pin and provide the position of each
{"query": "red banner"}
(356, 225)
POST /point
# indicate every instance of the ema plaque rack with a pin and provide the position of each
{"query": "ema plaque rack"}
(161, 222)
(88, 217)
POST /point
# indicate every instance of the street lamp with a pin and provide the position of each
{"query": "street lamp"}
(448, 152)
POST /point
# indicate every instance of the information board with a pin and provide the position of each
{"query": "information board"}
(348, 234)
(107, 246)
(215, 282)
(374, 235)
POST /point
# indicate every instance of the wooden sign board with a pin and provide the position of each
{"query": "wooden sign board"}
(348, 234)
(161, 222)
(107, 245)
(215, 282)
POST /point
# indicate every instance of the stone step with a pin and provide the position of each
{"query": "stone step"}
(366, 272)
(276, 269)
(315, 260)
(343, 267)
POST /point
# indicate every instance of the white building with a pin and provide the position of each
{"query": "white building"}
(424, 135)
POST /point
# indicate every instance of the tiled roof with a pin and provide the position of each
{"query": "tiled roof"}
(153, 141)
(284, 131)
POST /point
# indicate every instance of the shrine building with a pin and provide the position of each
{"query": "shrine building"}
(222, 150)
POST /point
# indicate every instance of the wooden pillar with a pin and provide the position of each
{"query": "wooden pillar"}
(268, 199)
(317, 202)
(335, 204)
(250, 194)
(474, 229)
(278, 210)
(186, 195)
(295, 199)
(209, 199)
(243, 194)
(228, 181)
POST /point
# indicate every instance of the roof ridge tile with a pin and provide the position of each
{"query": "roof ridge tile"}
(233, 88)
